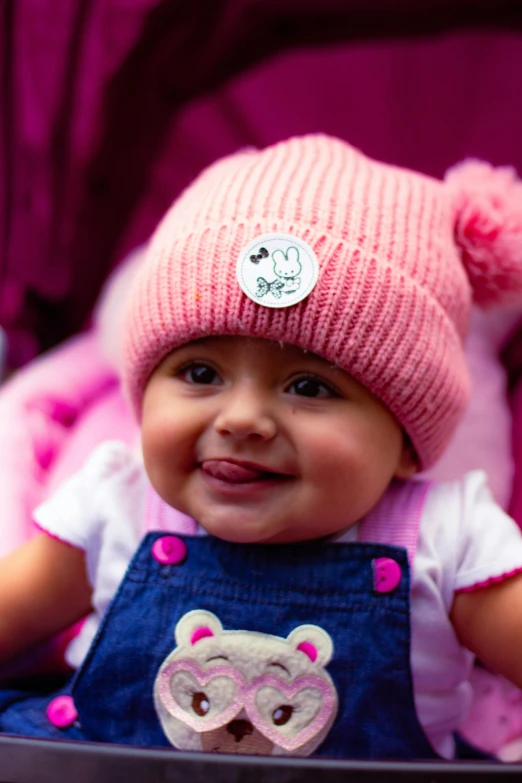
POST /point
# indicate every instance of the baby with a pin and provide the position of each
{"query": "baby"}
(272, 577)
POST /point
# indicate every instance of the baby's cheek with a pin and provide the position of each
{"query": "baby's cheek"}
(336, 446)
(348, 475)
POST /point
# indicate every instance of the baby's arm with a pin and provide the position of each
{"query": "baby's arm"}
(43, 589)
(488, 621)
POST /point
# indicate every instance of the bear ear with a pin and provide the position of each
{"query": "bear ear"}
(313, 642)
(196, 625)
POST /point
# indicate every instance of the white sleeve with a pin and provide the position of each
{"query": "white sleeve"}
(465, 540)
(490, 541)
(77, 512)
(475, 539)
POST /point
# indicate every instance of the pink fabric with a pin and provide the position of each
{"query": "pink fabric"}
(482, 440)
(43, 410)
(495, 717)
(488, 229)
(491, 581)
(160, 516)
(105, 417)
(396, 518)
(392, 302)
(308, 649)
(51, 535)
(201, 633)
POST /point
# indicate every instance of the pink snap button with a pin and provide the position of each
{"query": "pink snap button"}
(61, 712)
(169, 550)
(386, 574)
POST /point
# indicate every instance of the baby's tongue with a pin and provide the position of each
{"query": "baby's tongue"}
(229, 471)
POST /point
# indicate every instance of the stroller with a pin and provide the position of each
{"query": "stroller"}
(111, 107)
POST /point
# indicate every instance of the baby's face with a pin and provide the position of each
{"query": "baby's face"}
(261, 442)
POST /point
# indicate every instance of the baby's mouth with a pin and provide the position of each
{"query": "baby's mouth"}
(238, 472)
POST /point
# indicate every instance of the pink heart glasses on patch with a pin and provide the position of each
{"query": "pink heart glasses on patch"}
(245, 697)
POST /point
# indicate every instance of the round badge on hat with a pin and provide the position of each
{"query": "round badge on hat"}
(277, 270)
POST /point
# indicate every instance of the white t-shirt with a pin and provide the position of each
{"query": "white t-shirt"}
(465, 539)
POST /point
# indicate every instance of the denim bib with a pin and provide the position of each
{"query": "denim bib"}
(283, 602)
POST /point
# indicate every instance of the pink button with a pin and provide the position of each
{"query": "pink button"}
(62, 712)
(386, 574)
(169, 550)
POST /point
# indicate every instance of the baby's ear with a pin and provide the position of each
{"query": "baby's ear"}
(408, 463)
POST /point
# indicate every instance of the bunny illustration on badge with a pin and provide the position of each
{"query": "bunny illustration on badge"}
(277, 270)
(244, 691)
(287, 267)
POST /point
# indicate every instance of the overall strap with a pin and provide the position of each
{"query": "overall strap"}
(396, 517)
(160, 516)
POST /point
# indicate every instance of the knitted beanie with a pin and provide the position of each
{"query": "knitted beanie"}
(382, 264)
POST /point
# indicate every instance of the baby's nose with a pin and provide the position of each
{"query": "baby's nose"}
(245, 416)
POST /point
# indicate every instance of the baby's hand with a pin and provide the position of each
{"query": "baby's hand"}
(43, 590)
(488, 621)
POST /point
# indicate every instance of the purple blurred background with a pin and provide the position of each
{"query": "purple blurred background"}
(110, 107)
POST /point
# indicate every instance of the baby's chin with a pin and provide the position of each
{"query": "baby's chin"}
(256, 533)
(241, 535)
(248, 532)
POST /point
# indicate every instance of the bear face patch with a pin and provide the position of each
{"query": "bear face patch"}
(244, 691)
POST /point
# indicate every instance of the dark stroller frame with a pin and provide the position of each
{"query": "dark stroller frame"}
(40, 761)
(25, 760)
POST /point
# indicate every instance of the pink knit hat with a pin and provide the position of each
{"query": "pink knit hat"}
(399, 257)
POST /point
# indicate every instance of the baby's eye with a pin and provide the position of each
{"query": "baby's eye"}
(199, 373)
(308, 386)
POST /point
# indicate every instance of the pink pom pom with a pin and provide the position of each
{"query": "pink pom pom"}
(488, 229)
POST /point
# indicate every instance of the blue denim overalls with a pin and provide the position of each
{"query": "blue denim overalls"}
(357, 593)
